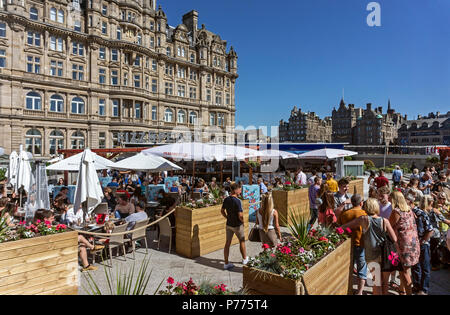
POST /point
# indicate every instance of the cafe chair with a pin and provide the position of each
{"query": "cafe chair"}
(139, 235)
(117, 241)
(197, 195)
(165, 229)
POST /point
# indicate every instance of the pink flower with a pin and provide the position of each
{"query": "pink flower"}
(265, 246)
(323, 239)
(170, 281)
(301, 250)
(47, 222)
(272, 255)
(340, 231)
(38, 221)
(348, 230)
(286, 250)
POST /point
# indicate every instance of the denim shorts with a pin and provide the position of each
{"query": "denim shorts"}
(360, 260)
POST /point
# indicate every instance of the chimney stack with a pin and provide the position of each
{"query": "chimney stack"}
(369, 106)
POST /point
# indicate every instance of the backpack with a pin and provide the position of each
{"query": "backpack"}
(374, 239)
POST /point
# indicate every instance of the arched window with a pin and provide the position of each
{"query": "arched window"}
(53, 14)
(33, 101)
(77, 140)
(168, 115)
(78, 106)
(60, 16)
(56, 141)
(33, 142)
(181, 116)
(193, 118)
(34, 14)
(56, 103)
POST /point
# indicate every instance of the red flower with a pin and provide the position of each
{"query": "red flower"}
(285, 250)
(313, 231)
(265, 246)
(47, 222)
(38, 221)
(272, 255)
(323, 239)
(170, 281)
(348, 230)
(340, 231)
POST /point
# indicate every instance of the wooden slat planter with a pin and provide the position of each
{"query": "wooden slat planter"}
(297, 201)
(202, 231)
(42, 265)
(330, 276)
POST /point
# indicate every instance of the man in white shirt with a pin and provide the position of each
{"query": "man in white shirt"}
(75, 217)
(301, 178)
(139, 215)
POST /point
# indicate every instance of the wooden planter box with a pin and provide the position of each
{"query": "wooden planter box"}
(297, 201)
(330, 276)
(202, 231)
(46, 265)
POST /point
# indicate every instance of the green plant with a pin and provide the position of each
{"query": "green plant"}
(298, 226)
(4, 227)
(433, 160)
(123, 283)
(215, 192)
(368, 165)
(348, 158)
(253, 164)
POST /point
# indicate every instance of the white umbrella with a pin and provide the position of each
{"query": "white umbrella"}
(88, 185)
(234, 152)
(273, 154)
(188, 151)
(24, 173)
(147, 163)
(12, 169)
(72, 164)
(326, 154)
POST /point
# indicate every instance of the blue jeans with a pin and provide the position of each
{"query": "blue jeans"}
(314, 216)
(422, 271)
(359, 258)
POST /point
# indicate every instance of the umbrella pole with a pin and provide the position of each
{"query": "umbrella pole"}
(250, 175)
(221, 172)
(193, 170)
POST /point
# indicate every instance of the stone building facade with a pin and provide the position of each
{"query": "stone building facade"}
(305, 127)
(344, 122)
(99, 73)
(376, 128)
(431, 130)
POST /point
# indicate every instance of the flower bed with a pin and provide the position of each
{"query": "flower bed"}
(201, 231)
(318, 264)
(191, 288)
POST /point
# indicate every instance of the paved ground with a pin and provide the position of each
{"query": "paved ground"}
(208, 267)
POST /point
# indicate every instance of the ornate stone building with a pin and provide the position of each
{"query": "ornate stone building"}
(99, 73)
(344, 122)
(305, 127)
(431, 130)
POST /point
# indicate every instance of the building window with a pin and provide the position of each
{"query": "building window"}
(208, 78)
(208, 95)
(125, 79)
(77, 26)
(34, 14)
(220, 120)
(33, 142)
(169, 88)
(139, 39)
(154, 113)
(152, 26)
(77, 140)
(56, 103)
(78, 49)
(168, 51)
(114, 77)
(138, 110)
(102, 107)
(192, 93)
(102, 76)
(169, 69)
(78, 72)
(137, 61)
(114, 55)
(104, 9)
(228, 83)
(181, 117)
(102, 140)
(33, 101)
(119, 33)
(192, 58)
(181, 72)
(193, 118)
(152, 42)
(2, 29)
(137, 81)
(212, 119)
(228, 99)
(33, 64)
(154, 86)
(60, 16)
(219, 80)
(181, 90)
(77, 106)
(56, 141)
(56, 44)
(53, 14)
(218, 98)
(154, 65)
(147, 82)
(34, 39)
(2, 58)
(102, 53)
(168, 116)
(193, 75)
(104, 28)
(115, 108)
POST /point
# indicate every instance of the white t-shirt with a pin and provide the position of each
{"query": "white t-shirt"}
(301, 178)
(73, 217)
(135, 217)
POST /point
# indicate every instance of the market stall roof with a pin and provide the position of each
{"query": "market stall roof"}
(72, 163)
(146, 162)
(277, 154)
(326, 154)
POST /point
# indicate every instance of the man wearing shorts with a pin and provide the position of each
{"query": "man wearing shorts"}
(232, 211)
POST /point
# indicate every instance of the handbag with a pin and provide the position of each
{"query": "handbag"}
(254, 236)
(390, 261)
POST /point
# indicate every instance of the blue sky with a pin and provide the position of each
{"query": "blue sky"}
(305, 52)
